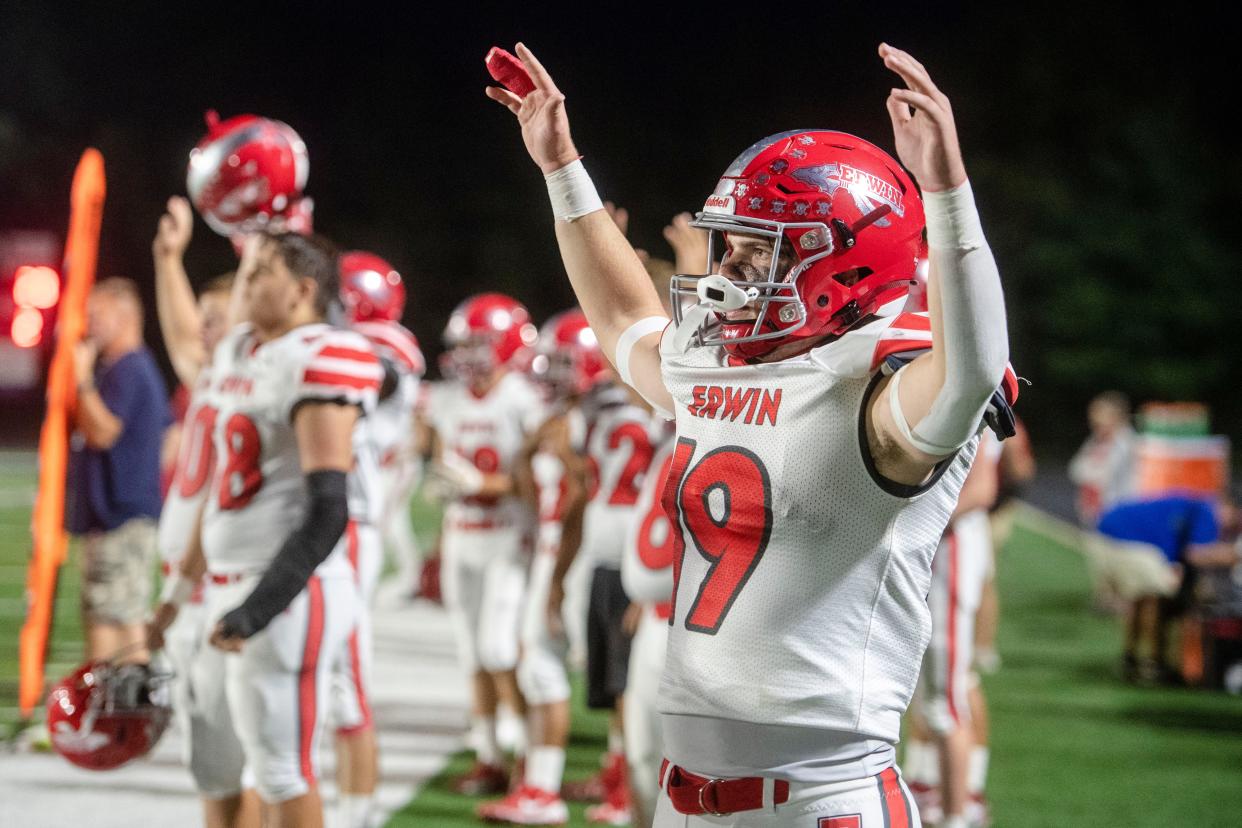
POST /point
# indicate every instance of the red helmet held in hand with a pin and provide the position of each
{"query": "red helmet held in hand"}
(102, 715)
(487, 331)
(248, 171)
(371, 288)
(830, 226)
(567, 357)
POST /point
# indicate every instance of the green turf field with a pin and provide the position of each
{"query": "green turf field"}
(17, 485)
(1072, 746)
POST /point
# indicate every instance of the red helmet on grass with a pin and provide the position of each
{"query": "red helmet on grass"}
(844, 215)
(102, 715)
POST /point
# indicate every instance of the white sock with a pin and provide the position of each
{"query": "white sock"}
(616, 742)
(955, 821)
(520, 736)
(977, 775)
(545, 765)
(355, 810)
(486, 746)
(922, 763)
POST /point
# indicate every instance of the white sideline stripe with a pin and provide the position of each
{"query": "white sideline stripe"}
(1055, 528)
(420, 700)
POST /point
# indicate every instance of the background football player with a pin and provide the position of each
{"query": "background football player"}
(480, 423)
(373, 298)
(943, 762)
(647, 575)
(286, 393)
(191, 331)
(552, 476)
(800, 432)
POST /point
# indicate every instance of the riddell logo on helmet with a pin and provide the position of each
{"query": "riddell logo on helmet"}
(720, 204)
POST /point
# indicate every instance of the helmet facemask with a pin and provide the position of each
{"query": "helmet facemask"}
(778, 307)
(556, 373)
(474, 357)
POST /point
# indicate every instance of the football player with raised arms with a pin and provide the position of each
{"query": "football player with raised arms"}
(286, 391)
(821, 444)
(191, 331)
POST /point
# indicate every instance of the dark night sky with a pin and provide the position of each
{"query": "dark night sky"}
(408, 158)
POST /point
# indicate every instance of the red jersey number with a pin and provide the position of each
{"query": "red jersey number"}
(625, 493)
(725, 503)
(487, 460)
(242, 477)
(195, 460)
(652, 555)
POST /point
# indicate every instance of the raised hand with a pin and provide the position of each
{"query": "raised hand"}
(923, 125)
(172, 236)
(541, 114)
(619, 215)
(689, 244)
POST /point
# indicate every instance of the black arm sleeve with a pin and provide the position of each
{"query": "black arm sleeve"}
(327, 515)
(392, 377)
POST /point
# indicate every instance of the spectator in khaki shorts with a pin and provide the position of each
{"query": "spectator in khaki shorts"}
(1150, 550)
(113, 496)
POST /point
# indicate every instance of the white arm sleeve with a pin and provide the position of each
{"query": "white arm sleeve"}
(976, 339)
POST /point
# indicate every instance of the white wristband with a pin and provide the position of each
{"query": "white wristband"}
(572, 193)
(628, 339)
(952, 220)
(177, 589)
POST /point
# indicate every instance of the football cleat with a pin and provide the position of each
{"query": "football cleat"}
(527, 805)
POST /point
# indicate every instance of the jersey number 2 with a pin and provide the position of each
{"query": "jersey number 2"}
(725, 504)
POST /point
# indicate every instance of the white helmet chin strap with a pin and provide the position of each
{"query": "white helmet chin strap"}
(716, 295)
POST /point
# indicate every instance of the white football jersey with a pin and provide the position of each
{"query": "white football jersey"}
(258, 495)
(392, 424)
(801, 575)
(647, 568)
(551, 488)
(618, 449)
(192, 474)
(487, 431)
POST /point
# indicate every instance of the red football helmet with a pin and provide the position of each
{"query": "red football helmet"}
(486, 331)
(103, 715)
(247, 171)
(567, 357)
(371, 288)
(847, 219)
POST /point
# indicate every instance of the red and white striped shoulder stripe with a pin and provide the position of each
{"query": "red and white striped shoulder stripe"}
(343, 361)
(396, 342)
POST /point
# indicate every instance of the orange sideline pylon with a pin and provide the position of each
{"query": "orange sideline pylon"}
(48, 526)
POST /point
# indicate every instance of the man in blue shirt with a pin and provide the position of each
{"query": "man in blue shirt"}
(113, 496)
(1154, 546)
